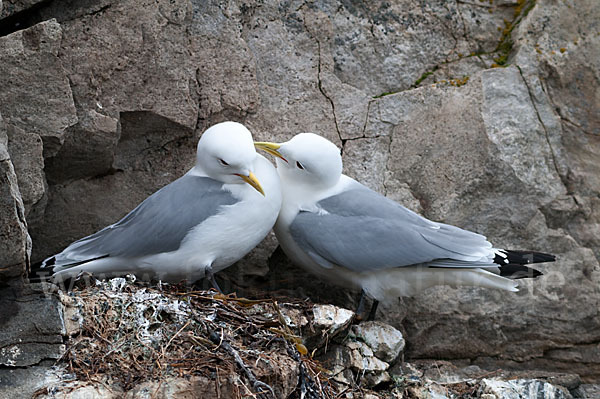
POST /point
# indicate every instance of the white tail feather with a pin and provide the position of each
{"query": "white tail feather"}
(390, 284)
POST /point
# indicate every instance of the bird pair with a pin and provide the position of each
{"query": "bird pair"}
(325, 221)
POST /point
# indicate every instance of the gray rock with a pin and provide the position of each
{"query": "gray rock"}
(36, 95)
(24, 383)
(365, 158)
(385, 341)
(513, 125)
(433, 130)
(119, 61)
(521, 389)
(152, 152)
(26, 150)
(365, 364)
(587, 391)
(355, 361)
(384, 47)
(430, 392)
(177, 387)
(15, 245)
(320, 325)
(331, 319)
(32, 327)
(10, 7)
(88, 150)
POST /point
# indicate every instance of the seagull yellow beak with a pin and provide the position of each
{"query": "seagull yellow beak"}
(271, 148)
(253, 181)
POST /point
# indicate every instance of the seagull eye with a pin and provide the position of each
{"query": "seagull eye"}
(223, 162)
(299, 165)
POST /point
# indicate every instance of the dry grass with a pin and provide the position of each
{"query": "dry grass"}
(132, 333)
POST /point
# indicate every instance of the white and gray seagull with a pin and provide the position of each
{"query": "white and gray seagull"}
(344, 232)
(194, 227)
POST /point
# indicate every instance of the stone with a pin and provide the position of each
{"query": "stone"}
(27, 158)
(363, 362)
(32, 327)
(194, 387)
(122, 62)
(385, 47)
(25, 383)
(71, 314)
(36, 95)
(331, 318)
(10, 7)
(484, 23)
(447, 184)
(88, 150)
(430, 392)
(385, 341)
(327, 322)
(84, 206)
(15, 242)
(300, 105)
(365, 158)
(353, 361)
(587, 391)
(319, 325)
(364, 354)
(512, 123)
(518, 389)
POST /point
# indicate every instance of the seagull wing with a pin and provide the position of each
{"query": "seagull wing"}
(362, 230)
(159, 224)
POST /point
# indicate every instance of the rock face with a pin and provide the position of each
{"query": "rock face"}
(479, 114)
(15, 246)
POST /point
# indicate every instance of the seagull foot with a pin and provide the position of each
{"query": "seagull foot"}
(211, 277)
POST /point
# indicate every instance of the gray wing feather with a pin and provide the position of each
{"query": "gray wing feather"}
(362, 230)
(159, 224)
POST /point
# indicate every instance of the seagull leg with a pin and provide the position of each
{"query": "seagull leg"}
(361, 305)
(211, 277)
(374, 306)
(360, 309)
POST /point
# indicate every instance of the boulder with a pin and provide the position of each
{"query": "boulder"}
(384, 340)
(15, 243)
(36, 95)
(32, 327)
(521, 389)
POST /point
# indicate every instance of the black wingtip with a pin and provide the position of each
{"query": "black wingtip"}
(523, 257)
(516, 271)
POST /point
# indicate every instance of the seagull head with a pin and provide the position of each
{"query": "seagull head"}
(226, 153)
(306, 159)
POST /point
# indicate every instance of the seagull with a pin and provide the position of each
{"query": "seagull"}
(192, 228)
(340, 230)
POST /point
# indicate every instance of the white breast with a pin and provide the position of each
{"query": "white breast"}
(226, 237)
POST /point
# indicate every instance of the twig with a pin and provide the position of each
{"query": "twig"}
(256, 384)
(308, 388)
(164, 349)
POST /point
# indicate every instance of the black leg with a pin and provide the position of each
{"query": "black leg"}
(361, 305)
(211, 277)
(373, 310)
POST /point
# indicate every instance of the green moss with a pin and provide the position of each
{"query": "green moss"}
(505, 44)
(423, 77)
(387, 93)
(502, 50)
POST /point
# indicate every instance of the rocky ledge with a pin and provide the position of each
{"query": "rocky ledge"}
(481, 114)
(125, 339)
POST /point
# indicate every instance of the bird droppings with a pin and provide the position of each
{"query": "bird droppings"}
(132, 333)
(128, 339)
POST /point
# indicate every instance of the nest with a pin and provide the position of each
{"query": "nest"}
(131, 333)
